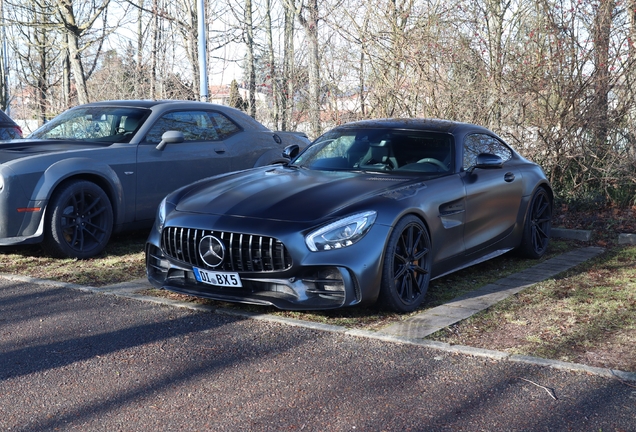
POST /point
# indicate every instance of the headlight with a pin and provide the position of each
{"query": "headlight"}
(341, 233)
(1, 183)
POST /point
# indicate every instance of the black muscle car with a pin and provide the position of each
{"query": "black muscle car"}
(104, 167)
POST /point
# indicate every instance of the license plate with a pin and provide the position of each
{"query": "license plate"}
(223, 279)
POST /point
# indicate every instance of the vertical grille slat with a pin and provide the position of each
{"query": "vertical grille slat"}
(271, 253)
(250, 254)
(261, 260)
(241, 260)
(282, 254)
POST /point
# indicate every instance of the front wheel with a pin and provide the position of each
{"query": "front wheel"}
(406, 270)
(79, 221)
(536, 231)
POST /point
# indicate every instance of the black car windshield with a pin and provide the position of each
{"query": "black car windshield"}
(373, 149)
(97, 124)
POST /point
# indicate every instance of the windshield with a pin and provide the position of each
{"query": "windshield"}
(99, 124)
(392, 150)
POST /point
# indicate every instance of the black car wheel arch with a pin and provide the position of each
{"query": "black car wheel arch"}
(406, 269)
(79, 220)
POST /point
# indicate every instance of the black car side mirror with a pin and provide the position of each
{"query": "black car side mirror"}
(170, 137)
(291, 151)
(486, 161)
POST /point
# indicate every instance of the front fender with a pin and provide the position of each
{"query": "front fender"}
(86, 168)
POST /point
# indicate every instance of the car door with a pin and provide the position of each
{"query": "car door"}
(203, 153)
(493, 195)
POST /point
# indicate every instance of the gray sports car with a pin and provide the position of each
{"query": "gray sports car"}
(369, 212)
(104, 167)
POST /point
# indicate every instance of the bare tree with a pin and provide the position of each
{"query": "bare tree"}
(308, 17)
(76, 26)
(287, 100)
(35, 49)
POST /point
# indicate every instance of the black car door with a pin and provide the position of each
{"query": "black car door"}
(203, 153)
(493, 195)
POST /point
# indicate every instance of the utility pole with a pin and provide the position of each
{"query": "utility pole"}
(203, 67)
(5, 65)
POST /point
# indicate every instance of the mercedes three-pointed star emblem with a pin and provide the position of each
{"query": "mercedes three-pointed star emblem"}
(212, 251)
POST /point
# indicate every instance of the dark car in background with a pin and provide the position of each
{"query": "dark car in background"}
(104, 167)
(8, 128)
(370, 212)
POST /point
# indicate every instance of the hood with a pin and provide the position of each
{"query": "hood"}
(287, 194)
(19, 148)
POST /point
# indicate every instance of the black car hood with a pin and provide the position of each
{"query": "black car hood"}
(15, 149)
(289, 194)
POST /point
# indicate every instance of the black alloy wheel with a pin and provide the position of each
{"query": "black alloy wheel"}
(406, 269)
(79, 221)
(536, 234)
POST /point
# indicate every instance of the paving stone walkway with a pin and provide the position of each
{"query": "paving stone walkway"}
(462, 307)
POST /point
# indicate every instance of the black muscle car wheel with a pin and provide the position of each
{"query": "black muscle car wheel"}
(406, 266)
(79, 221)
(536, 232)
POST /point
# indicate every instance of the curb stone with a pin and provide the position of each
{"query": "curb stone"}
(572, 234)
(131, 290)
(627, 239)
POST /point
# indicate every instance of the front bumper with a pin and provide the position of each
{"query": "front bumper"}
(314, 281)
(313, 288)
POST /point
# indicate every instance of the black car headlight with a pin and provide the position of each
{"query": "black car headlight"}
(341, 233)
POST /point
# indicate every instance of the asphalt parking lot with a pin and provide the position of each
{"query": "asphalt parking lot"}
(74, 360)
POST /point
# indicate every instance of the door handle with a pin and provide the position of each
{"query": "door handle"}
(509, 177)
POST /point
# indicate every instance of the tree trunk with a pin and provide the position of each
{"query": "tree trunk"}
(310, 25)
(140, 46)
(154, 51)
(273, 79)
(77, 68)
(287, 101)
(600, 110)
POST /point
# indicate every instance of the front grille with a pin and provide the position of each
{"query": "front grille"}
(243, 252)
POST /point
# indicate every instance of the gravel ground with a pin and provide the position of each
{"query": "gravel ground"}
(71, 360)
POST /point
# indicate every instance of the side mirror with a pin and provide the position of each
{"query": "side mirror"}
(291, 151)
(487, 161)
(170, 137)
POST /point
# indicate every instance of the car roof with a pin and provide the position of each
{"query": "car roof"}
(147, 103)
(434, 125)
(5, 119)
(244, 119)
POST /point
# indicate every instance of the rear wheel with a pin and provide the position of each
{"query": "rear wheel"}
(406, 270)
(79, 221)
(536, 232)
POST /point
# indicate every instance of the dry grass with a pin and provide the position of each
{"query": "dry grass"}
(586, 315)
(123, 260)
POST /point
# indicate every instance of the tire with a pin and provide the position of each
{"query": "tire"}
(536, 231)
(79, 221)
(406, 270)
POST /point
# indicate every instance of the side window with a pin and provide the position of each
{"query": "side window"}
(224, 126)
(195, 125)
(480, 143)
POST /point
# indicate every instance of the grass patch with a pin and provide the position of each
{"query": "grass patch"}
(123, 260)
(586, 315)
